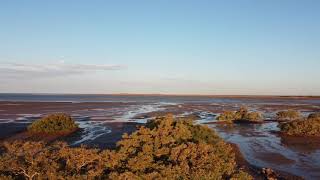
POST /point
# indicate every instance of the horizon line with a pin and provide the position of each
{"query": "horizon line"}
(169, 94)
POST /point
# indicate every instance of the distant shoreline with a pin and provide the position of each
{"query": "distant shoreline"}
(171, 95)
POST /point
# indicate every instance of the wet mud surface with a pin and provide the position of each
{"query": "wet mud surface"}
(103, 123)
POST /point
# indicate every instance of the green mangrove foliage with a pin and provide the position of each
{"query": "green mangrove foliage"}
(54, 123)
(166, 148)
(241, 115)
(303, 127)
(227, 116)
(288, 115)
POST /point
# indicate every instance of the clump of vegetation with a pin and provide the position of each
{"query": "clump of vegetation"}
(302, 127)
(241, 115)
(166, 148)
(38, 160)
(241, 175)
(253, 116)
(314, 115)
(173, 149)
(288, 115)
(228, 116)
(54, 123)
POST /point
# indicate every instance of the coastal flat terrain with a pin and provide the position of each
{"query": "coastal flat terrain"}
(104, 118)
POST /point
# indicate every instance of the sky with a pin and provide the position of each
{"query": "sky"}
(238, 47)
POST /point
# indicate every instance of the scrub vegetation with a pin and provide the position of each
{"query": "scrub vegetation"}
(314, 115)
(165, 148)
(241, 115)
(303, 127)
(52, 124)
(288, 115)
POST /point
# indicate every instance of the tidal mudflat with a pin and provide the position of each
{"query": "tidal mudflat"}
(103, 120)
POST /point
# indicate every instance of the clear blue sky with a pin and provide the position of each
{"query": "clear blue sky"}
(167, 46)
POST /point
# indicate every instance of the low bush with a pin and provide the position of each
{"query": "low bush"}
(253, 116)
(165, 148)
(314, 115)
(288, 115)
(241, 115)
(228, 116)
(303, 127)
(54, 123)
(241, 175)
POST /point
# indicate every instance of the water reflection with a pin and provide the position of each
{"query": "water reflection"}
(262, 147)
